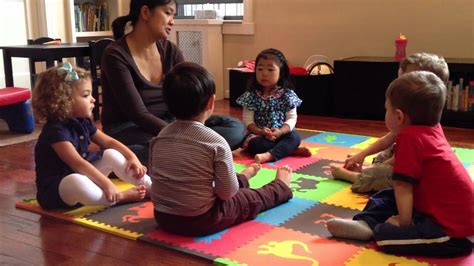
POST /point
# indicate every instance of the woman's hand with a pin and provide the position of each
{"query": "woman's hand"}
(134, 165)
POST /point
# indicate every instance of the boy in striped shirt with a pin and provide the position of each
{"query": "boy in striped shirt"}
(195, 188)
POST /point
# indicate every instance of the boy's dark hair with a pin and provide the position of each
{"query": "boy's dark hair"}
(285, 79)
(428, 62)
(420, 95)
(187, 89)
(118, 25)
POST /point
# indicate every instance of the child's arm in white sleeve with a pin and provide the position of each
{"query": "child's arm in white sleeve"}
(249, 122)
(247, 116)
(288, 125)
(291, 117)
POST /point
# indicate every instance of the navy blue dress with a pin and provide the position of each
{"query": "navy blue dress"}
(50, 169)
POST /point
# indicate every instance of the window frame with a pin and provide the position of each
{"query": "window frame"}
(243, 26)
(180, 8)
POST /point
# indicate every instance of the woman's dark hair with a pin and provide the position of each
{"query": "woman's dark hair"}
(285, 79)
(187, 89)
(118, 25)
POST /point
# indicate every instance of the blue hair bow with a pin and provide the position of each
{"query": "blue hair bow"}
(67, 68)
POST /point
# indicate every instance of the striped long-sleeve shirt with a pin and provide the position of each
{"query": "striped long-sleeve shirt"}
(191, 165)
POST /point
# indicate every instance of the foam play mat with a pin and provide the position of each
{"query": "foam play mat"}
(291, 234)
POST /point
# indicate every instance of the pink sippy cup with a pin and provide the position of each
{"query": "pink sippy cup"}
(400, 45)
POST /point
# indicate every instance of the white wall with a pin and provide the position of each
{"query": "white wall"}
(13, 32)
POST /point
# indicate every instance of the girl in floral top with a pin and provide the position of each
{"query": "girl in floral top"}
(269, 110)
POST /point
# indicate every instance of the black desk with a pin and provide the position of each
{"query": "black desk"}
(315, 91)
(40, 52)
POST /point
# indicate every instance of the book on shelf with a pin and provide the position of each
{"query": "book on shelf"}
(470, 96)
(460, 95)
(449, 95)
(91, 16)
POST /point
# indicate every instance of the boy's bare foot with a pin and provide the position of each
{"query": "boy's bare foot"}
(351, 229)
(263, 157)
(302, 151)
(251, 170)
(342, 173)
(284, 174)
(133, 194)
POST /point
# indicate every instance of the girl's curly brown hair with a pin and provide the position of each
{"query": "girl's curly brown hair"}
(52, 94)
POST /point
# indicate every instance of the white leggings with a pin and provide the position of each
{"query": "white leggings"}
(76, 188)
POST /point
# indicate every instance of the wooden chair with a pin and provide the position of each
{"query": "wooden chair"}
(41, 40)
(97, 48)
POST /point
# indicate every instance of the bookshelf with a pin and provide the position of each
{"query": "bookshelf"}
(92, 19)
(459, 108)
(360, 84)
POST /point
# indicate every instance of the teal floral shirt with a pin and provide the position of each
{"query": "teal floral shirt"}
(269, 111)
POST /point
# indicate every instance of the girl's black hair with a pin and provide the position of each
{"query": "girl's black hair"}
(285, 80)
(118, 26)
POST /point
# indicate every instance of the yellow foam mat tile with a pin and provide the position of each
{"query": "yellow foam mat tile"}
(470, 171)
(346, 198)
(33, 205)
(372, 257)
(86, 210)
(310, 130)
(108, 228)
(365, 144)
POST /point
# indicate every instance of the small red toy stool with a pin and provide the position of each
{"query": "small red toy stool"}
(15, 109)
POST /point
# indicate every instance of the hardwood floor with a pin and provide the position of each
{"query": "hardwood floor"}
(27, 238)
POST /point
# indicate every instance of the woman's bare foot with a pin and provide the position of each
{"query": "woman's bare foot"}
(339, 172)
(263, 157)
(133, 194)
(251, 170)
(302, 151)
(284, 174)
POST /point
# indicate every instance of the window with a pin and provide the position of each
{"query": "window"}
(12, 12)
(228, 9)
